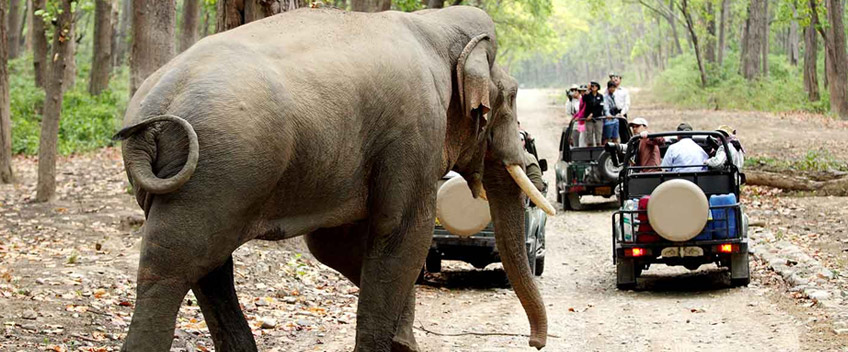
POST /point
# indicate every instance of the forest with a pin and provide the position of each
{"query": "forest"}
(70, 66)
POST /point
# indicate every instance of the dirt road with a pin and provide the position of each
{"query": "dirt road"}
(672, 310)
(67, 275)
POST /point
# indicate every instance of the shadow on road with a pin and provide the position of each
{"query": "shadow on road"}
(474, 279)
(702, 280)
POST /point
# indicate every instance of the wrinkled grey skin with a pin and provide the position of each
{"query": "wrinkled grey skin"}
(327, 124)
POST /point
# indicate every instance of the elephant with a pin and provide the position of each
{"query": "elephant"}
(331, 125)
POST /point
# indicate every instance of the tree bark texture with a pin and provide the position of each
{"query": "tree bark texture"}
(153, 38)
(811, 50)
(752, 52)
(684, 8)
(765, 28)
(188, 30)
(29, 21)
(710, 40)
(120, 40)
(39, 45)
(722, 29)
(14, 28)
(370, 5)
(71, 69)
(62, 40)
(101, 59)
(834, 187)
(837, 58)
(234, 13)
(792, 41)
(6, 174)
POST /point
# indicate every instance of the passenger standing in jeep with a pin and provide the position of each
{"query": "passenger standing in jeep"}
(594, 106)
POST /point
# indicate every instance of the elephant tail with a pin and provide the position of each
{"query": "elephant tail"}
(140, 168)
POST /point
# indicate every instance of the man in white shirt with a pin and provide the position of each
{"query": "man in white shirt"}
(684, 153)
(622, 97)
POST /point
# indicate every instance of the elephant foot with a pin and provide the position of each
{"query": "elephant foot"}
(404, 346)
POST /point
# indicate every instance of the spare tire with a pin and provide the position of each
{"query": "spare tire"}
(678, 210)
(458, 211)
(608, 170)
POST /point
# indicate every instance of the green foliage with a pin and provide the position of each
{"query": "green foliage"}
(87, 122)
(407, 5)
(817, 160)
(782, 90)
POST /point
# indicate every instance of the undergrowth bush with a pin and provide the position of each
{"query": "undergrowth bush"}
(782, 90)
(87, 122)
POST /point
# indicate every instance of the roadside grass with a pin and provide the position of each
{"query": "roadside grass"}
(782, 90)
(87, 122)
(817, 160)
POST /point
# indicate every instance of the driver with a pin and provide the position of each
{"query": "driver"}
(534, 172)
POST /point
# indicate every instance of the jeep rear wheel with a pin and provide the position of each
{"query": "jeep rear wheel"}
(540, 266)
(433, 264)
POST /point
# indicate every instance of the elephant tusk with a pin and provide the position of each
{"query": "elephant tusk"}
(529, 189)
(483, 195)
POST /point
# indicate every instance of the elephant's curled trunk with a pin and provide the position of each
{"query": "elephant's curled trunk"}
(507, 207)
(140, 166)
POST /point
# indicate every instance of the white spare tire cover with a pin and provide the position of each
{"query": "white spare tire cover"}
(459, 212)
(678, 210)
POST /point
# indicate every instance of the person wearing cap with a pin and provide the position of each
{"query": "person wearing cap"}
(611, 110)
(648, 153)
(720, 157)
(685, 152)
(622, 96)
(593, 103)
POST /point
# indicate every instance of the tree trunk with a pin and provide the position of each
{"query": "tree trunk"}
(792, 40)
(6, 174)
(787, 181)
(153, 38)
(673, 24)
(370, 5)
(101, 59)
(684, 8)
(113, 25)
(234, 13)
(753, 46)
(29, 21)
(722, 29)
(124, 24)
(62, 43)
(39, 45)
(14, 28)
(835, 47)
(765, 37)
(436, 4)
(71, 69)
(205, 31)
(188, 35)
(710, 42)
(811, 50)
(25, 23)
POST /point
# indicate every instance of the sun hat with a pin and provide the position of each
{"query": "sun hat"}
(613, 74)
(638, 121)
(583, 87)
(725, 129)
(574, 87)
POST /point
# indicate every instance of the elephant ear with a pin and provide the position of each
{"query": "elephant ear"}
(473, 76)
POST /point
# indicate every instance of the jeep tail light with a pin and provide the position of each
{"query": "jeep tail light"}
(635, 252)
(728, 248)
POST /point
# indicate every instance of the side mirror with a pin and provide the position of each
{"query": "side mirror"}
(543, 164)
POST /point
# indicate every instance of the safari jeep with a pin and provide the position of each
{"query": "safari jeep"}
(464, 230)
(687, 218)
(584, 171)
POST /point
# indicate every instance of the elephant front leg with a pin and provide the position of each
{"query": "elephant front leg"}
(401, 233)
(343, 248)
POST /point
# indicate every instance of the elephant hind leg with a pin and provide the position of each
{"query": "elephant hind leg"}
(217, 298)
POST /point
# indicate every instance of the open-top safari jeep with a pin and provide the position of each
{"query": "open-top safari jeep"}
(582, 171)
(464, 230)
(687, 218)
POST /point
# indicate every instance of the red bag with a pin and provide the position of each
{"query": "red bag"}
(645, 232)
